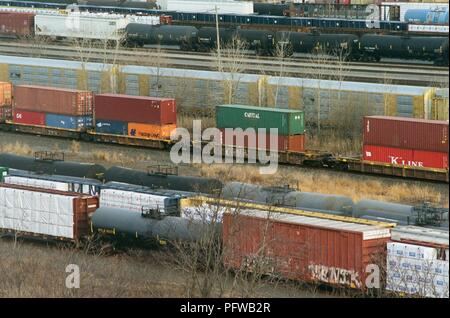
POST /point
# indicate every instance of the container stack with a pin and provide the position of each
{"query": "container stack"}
(52, 107)
(5, 101)
(289, 123)
(136, 116)
(416, 270)
(406, 141)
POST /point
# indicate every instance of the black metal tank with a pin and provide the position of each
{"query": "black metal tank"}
(141, 34)
(207, 37)
(63, 168)
(163, 181)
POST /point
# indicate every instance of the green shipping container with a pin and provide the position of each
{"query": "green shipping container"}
(288, 121)
(3, 173)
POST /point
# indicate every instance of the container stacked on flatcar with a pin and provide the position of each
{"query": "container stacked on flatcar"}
(52, 107)
(136, 116)
(262, 127)
(5, 101)
(406, 141)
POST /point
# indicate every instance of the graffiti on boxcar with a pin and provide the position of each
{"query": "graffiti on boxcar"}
(335, 275)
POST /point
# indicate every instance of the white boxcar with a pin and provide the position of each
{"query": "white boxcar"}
(198, 6)
(80, 26)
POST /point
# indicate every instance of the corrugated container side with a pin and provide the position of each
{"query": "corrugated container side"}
(53, 100)
(82, 206)
(16, 23)
(111, 127)
(251, 140)
(137, 109)
(148, 131)
(68, 122)
(5, 94)
(406, 157)
(28, 117)
(406, 133)
(301, 252)
(287, 121)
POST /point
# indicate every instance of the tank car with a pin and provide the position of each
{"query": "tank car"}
(430, 48)
(163, 181)
(334, 44)
(260, 41)
(173, 35)
(207, 37)
(53, 167)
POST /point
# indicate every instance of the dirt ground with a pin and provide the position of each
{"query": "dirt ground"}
(311, 180)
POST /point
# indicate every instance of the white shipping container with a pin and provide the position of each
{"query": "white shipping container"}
(36, 212)
(428, 28)
(411, 251)
(134, 201)
(80, 26)
(207, 6)
(37, 183)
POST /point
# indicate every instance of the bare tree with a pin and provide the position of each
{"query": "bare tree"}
(231, 63)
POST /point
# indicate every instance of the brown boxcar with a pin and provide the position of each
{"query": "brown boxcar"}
(81, 207)
(16, 24)
(137, 109)
(53, 100)
(303, 248)
(406, 133)
(250, 140)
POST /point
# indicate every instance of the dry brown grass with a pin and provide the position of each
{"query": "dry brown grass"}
(356, 187)
(17, 147)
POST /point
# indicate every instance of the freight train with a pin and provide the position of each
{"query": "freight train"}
(123, 212)
(420, 150)
(139, 32)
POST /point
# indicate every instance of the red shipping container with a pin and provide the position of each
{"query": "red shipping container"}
(304, 248)
(295, 143)
(406, 157)
(53, 100)
(16, 24)
(29, 118)
(406, 133)
(138, 109)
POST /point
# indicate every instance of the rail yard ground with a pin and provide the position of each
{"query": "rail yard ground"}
(310, 180)
(39, 270)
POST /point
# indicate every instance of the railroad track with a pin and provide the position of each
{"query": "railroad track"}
(403, 74)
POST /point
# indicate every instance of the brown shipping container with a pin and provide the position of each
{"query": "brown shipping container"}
(303, 248)
(407, 133)
(5, 94)
(16, 24)
(53, 100)
(294, 143)
(83, 207)
(137, 109)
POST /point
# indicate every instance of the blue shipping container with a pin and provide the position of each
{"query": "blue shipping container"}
(111, 127)
(68, 122)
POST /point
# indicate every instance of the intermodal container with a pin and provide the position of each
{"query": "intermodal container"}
(406, 157)
(287, 121)
(5, 94)
(69, 221)
(406, 133)
(111, 127)
(53, 100)
(147, 131)
(68, 122)
(28, 117)
(295, 143)
(136, 109)
(301, 247)
(16, 24)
